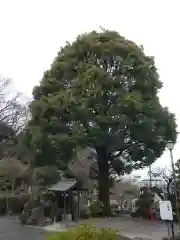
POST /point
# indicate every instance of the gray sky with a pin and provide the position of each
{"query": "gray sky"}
(32, 32)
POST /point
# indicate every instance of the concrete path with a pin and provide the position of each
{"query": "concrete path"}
(10, 229)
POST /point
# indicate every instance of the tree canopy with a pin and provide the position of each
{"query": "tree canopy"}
(101, 92)
(12, 169)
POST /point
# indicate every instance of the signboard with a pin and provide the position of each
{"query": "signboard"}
(166, 210)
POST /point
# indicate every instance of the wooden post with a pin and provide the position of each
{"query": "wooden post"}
(78, 205)
(64, 206)
(172, 230)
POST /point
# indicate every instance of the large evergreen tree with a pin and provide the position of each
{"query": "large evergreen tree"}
(101, 92)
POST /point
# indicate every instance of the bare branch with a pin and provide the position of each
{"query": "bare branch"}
(164, 173)
(13, 114)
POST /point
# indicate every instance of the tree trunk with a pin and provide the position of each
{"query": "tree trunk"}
(168, 186)
(7, 204)
(13, 184)
(103, 180)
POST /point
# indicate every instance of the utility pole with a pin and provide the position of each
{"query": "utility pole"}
(170, 146)
(175, 187)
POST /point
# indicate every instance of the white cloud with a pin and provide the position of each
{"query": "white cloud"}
(32, 32)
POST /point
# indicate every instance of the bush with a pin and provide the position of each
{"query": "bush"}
(143, 205)
(96, 209)
(32, 203)
(13, 203)
(86, 213)
(87, 232)
(23, 217)
(3, 206)
(16, 203)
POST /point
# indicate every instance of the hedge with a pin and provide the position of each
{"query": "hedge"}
(84, 232)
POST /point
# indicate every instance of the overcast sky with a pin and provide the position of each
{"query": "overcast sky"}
(32, 31)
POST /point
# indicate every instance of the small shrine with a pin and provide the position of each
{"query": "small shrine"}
(67, 199)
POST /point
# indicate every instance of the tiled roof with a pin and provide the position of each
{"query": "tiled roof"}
(63, 185)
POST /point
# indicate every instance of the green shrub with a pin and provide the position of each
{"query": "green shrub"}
(96, 209)
(2, 204)
(86, 213)
(143, 205)
(16, 203)
(87, 232)
(23, 217)
(13, 203)
(33, 202)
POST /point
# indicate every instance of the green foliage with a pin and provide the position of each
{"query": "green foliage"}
(3, 207)
(88, 232)
(11, 169)
(143, 204)
(177, 169)
(23, 217)
(5, 131)
(32, 202)
(101, 92)
(16, 203)
(46, 175)
(104, 88)
(46, 148)
(13, 203)
(23, 152)
(33, 210)
(96, 209)
(85, 213)
(7, 141)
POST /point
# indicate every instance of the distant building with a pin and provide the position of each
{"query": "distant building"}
(156, 180)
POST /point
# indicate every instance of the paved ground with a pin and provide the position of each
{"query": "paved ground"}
(10, 229)
(129, 227)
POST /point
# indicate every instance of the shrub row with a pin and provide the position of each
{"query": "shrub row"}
(94, 210)
(84, 232)
(13, 203)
